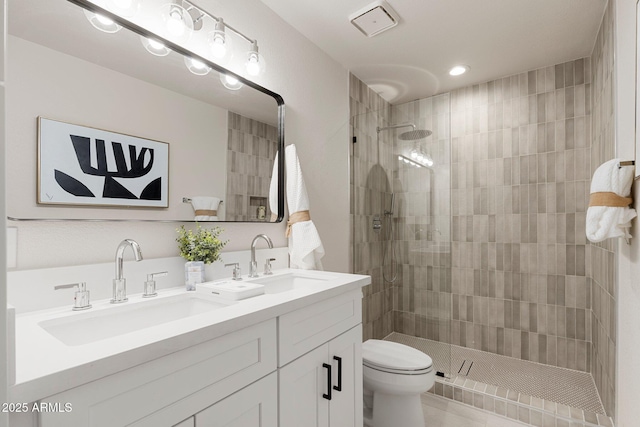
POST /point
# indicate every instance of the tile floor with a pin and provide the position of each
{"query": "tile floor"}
(531, 393)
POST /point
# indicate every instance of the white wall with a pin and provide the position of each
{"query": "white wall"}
(315, 90)
(628, 295)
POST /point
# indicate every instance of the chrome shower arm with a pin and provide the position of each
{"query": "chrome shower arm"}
(402, 125)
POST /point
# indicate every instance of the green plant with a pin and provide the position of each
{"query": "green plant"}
(202, 245)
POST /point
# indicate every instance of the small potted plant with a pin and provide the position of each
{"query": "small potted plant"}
(198, 248)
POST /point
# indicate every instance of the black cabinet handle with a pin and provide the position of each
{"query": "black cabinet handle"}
(339, 386)
(327, 396)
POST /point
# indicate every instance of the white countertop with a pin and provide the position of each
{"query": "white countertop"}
(46, 366)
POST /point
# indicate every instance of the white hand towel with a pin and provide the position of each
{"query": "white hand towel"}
(203, 203)
(604, 222)
(305, 245)
(273, 190)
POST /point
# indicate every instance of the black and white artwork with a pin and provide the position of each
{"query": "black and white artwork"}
(80, 165)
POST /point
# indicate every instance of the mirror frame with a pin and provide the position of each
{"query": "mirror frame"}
(85, 4)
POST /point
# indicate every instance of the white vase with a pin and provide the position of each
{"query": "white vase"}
(193, 274)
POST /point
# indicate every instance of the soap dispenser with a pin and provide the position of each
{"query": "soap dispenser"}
(150, 284)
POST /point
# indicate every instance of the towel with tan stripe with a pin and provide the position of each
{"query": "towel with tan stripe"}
(610, 211)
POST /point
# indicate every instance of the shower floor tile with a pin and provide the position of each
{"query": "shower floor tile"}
(510, 376)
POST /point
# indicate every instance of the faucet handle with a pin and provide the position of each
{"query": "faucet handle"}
(81, 298)
(150, 284)
(267, 266)
(237, 272)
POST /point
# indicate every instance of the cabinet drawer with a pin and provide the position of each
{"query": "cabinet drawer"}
(167, 390)
(305, 329)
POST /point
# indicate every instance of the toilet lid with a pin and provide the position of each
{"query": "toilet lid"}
(393, 356)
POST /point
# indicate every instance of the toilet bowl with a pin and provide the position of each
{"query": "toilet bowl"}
(395, 376)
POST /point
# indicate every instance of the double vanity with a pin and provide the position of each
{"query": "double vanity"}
(289, 357)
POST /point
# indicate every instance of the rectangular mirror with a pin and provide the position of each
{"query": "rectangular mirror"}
(221, 142)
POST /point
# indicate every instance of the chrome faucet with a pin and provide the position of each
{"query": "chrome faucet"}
(253, 267)
(120, 283)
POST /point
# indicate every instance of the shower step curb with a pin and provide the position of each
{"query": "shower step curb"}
(517, 406)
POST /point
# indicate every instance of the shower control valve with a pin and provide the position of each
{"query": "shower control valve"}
(377, 223)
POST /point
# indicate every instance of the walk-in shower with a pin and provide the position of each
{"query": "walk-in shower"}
(487, 272)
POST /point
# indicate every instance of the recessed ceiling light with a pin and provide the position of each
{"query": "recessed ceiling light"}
(458, 70)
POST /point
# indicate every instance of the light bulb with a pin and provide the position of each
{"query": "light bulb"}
(414, 154)
(420, 157)
(126, 8)
(175, 24)
(196, 66)
(104, 20)
(230, 82)
(178, 23)
(220, 44)
(101, 22)
(154, 47)
(218, 47)
(255, 64)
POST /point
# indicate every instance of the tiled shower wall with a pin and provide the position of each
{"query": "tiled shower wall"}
(371, 186)
(601, 265)
(422, 303)
(251, 151)
(520, 183)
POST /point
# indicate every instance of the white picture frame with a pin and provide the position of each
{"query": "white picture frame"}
(86, 166)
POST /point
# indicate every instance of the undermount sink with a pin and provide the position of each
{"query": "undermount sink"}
(289, 282)
(92, 326)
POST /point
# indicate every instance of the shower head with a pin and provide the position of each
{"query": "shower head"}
(411, 135)
(414, 135)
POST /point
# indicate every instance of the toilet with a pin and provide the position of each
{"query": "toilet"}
(395, 375)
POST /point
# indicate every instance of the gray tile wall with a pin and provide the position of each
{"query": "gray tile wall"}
(251, 150)
(520, 184)
(422, 218)
(370, 184)
(601, 265)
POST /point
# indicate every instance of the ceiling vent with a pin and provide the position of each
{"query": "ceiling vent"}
(375, 18)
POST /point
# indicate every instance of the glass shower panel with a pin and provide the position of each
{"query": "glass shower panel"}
(401, 219)
(422, 188)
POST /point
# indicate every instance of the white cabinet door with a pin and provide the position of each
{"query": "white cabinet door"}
(303, 383)
(345, 354)
(253, 406)
(310, 398)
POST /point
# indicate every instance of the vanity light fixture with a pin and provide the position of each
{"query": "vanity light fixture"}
(180, 20)
(196, 66)
(458, 70)
(154, 47)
